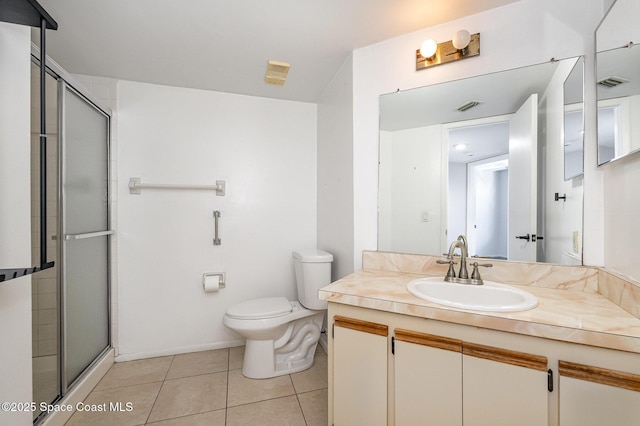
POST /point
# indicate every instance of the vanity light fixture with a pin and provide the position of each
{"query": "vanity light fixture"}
(463, 45)
(428, 48)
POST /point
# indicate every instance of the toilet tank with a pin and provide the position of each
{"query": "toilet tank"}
(313, 271)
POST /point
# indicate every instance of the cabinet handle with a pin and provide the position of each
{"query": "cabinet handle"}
(520, 359)
(603, 376)
(359, 325)
(430, 340)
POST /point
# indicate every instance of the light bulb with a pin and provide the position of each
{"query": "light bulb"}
(461, 39)
(428, 48)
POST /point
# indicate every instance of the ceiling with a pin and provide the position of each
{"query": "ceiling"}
(480, 142)
(225, 45)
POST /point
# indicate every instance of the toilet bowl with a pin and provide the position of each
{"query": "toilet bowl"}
(282, 335)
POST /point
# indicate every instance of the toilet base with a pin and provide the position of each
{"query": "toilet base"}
(293, 353)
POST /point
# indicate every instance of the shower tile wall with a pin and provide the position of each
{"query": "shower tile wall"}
(44, 284)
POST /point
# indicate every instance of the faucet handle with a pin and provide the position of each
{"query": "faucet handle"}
(451, 273)
(475, 275)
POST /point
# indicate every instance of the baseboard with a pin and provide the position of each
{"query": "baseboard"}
(181, 350)
(323, 343)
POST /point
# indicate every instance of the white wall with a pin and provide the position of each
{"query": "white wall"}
(457, 201)
(413, 172)
(620, 27)
(621, 202)
(15, 220)
(563, 218)
(622, 210)
(335, 171)
(265, 150)
(531, 31)
(491, 216)
(384, 189)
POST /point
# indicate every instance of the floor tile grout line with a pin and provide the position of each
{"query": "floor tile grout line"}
(301, 410)
(159, 390)
(226, 400)
(154, 403)
(184, 416)
(173, 358)
(123, 386)
(264, 400)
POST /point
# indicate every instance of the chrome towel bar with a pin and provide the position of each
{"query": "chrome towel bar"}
(216, 239)
(136, 186)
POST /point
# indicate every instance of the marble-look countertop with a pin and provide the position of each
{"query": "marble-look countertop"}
(582, 317)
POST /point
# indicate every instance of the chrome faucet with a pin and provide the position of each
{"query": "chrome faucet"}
(460, 243)
(463, 274)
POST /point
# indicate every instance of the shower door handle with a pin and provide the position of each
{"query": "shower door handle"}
(86, 235)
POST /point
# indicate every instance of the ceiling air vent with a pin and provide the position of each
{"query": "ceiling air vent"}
(468, 106)
(277, 73)
(612, 81)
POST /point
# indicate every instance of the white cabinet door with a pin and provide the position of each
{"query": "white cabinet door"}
(597, 396)
(502, 387)
(428, 379)
(360, 372)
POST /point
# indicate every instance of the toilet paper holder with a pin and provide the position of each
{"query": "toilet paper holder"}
(220, 275)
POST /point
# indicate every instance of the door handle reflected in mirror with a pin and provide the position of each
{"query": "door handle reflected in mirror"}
(533, 238)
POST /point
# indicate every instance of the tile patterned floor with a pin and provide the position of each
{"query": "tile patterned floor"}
(206, 388)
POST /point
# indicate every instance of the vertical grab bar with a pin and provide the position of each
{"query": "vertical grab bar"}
(216, 239)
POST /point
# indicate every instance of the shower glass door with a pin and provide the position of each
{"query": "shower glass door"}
(84, 225)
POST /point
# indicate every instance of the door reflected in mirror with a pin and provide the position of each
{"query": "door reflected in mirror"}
(482, 157)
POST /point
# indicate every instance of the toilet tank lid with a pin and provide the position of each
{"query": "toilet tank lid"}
(313, 255)
(267, 307)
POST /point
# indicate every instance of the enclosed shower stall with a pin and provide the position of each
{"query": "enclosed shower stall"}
(71, 319)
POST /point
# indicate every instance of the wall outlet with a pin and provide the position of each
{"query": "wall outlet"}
(576, 242)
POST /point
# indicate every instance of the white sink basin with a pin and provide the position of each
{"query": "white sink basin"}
(490, 296)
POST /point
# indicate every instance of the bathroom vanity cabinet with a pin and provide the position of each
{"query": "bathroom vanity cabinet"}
(360, 358)
(594, 396)
(396, 369)
(435, 374)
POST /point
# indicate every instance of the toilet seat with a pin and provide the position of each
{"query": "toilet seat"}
(267, 307)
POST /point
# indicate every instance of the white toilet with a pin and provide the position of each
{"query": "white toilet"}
(282, 335)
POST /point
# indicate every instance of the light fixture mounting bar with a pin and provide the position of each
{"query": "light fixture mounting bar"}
(447, 53)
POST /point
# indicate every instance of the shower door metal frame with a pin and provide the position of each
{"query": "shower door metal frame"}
(66, 81)
(63, 87)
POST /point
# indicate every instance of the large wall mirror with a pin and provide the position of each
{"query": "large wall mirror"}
(618, 77)
(484, 157)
